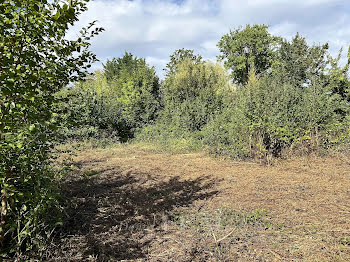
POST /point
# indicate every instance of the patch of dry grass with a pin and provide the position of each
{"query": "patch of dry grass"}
(132, 203)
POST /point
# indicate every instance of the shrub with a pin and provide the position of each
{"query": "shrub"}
(117, 101)
(133, 92)
(36, 61)
(194, 94)
(169, 138)
(268, 116)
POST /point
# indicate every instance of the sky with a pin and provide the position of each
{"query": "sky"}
(154, 29)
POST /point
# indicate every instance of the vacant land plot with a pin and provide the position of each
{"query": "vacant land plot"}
(131, 203)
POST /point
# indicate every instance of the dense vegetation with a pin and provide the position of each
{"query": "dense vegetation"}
(36, 61)
(271, 97)
(112, 103)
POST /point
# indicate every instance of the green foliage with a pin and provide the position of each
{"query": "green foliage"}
(113, 69)
(289, 96)
(135, 91)
(242, 48)
(338, 76)
(194, 94)
(82, 112)
(36, 61)
(178, 57)
(113, 103)
(268, 116)
(169, 138)
(299, 62)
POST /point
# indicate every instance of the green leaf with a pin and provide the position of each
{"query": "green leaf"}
(36, 7)
(57, 15)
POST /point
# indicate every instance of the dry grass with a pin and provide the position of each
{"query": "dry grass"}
(133, 204)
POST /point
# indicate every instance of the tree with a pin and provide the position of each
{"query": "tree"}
(113, 68)
(178, 57)
(270, 115)
(134, 89)
(194, 94)
(35, 62)
(299, 62)
(339, 76)
(242, 48)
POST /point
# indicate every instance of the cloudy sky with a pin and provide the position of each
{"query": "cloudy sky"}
(153, 29)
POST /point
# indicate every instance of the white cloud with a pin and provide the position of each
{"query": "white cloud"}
(286, 29)
(209, 46)
(255, 3)
(155, 28)
(157, 62)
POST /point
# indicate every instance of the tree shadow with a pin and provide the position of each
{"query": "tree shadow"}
(115, 215)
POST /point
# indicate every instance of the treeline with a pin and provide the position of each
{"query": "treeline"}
(272, 96)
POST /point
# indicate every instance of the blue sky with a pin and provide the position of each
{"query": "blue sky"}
(153, 29)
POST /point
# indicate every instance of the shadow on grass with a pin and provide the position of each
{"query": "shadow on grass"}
(116, 215)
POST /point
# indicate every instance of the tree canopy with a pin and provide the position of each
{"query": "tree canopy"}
(178, 57)
(243, 48)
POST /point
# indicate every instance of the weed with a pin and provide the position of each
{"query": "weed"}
(89, 173)
(345, 241)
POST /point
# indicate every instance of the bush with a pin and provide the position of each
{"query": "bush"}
(36, 61)
(194, 94)
(84, 111)
(117, 101)
(268, 116)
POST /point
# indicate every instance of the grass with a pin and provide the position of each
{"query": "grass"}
(134, 203)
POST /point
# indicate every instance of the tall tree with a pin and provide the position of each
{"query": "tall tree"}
(243, 48)
(134, 88)
(299, 62)
(113, 68)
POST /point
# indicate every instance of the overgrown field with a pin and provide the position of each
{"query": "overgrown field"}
(130, 202)
(266, 101)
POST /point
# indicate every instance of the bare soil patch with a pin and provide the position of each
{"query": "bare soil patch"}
(132, 204)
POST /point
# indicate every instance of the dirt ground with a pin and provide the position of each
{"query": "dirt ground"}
(130, 203)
